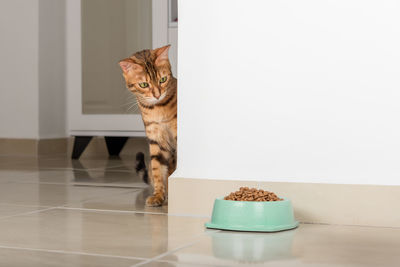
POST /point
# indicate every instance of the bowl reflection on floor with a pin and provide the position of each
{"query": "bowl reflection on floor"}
(252, 247)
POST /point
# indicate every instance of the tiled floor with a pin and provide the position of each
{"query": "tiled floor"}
(58, 212)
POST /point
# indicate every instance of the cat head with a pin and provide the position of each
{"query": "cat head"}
(147, 74)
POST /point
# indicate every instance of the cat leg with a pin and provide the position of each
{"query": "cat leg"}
(159, 165)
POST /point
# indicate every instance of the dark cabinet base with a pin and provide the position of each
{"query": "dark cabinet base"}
(114, 145)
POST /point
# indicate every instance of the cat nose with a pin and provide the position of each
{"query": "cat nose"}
(157, 93)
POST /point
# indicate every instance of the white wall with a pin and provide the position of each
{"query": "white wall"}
(19, 115)
(299, 91)
(32, 69)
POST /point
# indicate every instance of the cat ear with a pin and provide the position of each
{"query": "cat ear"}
(162, 54)
(128, 65)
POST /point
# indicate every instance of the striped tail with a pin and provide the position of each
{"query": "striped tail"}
(141, 169)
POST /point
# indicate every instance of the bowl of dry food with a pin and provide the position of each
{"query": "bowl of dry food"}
(253, 210)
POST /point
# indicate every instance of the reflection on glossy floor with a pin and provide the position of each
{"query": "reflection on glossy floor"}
(58, 212)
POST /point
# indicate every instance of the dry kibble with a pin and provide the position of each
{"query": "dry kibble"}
(252, 194)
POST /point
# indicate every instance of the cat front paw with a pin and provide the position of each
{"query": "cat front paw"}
(154, 201)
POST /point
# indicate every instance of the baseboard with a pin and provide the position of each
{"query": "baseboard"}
(52, 146)
(33, 147)
(368, 205)
(9, 146)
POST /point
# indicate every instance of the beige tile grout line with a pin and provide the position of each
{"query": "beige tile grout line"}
(133, 212)
(131, 190)
(162, 255)
(27, 213)
(186, 263)
(55, 207)
(73, 253)
(99, 197)
(126, 211)
(26, 206)
(113, 211)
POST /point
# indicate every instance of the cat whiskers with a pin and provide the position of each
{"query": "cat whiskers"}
(134, 104)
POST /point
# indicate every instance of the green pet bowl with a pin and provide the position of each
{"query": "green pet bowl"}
(252, 216)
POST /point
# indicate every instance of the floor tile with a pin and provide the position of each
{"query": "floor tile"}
(10, 175)
(104, 222)
(18, 258)
(134, 201)
(52, 194)
(309, 245)
(109, 233)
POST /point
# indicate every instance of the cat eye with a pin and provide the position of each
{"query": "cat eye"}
(144, 85)
(163, 79)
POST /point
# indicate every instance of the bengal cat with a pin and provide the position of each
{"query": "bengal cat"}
(148, 75)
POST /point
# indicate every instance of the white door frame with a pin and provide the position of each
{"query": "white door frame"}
(102, 124)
